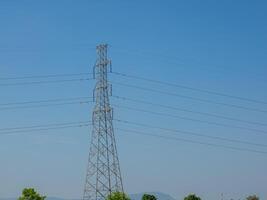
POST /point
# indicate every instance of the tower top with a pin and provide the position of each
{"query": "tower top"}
(101, 46)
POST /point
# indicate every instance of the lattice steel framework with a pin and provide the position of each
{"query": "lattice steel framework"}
(103, 173)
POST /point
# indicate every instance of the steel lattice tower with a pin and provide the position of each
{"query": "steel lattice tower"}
(103, 173)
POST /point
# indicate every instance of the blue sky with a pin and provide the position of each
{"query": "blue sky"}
(213, 45)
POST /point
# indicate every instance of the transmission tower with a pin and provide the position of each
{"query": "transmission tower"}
(103, 172)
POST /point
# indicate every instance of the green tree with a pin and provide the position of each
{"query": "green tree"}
(192, 197)
(30, 194)
(148, 197)
(253, 197)
(118, 196)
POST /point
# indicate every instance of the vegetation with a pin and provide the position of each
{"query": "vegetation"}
(192, 197)
(118, 196)
(148, 197)
(30, 194)
(253, 197)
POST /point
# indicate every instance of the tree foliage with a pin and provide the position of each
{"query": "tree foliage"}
(253, 197)
(192, 197)
(148, 197)
(30, 194)
(118, 196)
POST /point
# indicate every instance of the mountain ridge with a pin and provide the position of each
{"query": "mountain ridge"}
(136, 196)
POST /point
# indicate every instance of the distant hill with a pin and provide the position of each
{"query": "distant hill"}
(159, 195)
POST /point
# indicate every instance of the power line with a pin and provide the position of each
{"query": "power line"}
(191, 133)
(138, 78)
(43, 101)
(46, 105)
(36, 128)
(186, 110)
(136, 132)
(42, 82)
(42, 125)
(44, 129)
(43, 76)
(118, 97)
(130, 108)
(189, 88)
(190, 119)
(188, 97)
(193, 141)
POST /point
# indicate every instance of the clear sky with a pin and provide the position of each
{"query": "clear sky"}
(212, 45)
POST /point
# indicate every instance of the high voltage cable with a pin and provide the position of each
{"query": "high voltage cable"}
(190, 119)
(138, 78)
(43, 76)
(189, 88)
(190, 133)
(117, 97)
(45, 105)
(34, 127)
(16, 130)
(42, 125)
(43, 101)
(186, 110)
(124, 99)
(193, 141)
(134, 77)
(135, 109)
(42, 82)
(188, 97)
(44, 129)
